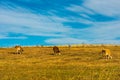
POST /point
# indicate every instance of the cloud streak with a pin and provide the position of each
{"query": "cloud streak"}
(104, 7)
(65, 41)
(31, 24)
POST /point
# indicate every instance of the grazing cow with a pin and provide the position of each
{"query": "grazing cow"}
(56, 50)
(19, 49)
(107, 53)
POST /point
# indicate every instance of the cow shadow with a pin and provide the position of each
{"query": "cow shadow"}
(12, 53)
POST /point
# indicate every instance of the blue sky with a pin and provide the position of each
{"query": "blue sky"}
(56, 22)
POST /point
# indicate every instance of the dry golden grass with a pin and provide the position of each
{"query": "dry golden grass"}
(39, 63)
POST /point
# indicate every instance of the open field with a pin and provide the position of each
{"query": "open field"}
(39, 63)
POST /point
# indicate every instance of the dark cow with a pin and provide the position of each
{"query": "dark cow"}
(56, 50)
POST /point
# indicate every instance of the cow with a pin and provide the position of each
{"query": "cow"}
(19, 49)
(107, 53)
(56, 50)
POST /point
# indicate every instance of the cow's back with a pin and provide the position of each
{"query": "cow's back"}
(56, 49)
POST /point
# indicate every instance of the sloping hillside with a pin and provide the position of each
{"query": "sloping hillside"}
(75, 63)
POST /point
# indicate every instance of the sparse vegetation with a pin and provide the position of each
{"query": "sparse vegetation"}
(39, 63)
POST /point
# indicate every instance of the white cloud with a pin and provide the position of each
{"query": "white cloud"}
(100, 31)
(107, 41)
(105, 7)
(65, 41)
(79, 9)
(20, 20)
(62, 41)
(104, 30)
(20, 37)
(36, 24)
(4, 35)
(82, 11)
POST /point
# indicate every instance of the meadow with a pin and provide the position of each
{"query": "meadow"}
(75, 63)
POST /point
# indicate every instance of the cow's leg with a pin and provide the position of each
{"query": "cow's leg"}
(59, 53)
(110, 57)
(19, 51)
(54, 53)
(107, 56)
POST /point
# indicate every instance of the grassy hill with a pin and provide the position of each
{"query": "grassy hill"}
(75, 63)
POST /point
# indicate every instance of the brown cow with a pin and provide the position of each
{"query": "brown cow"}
(19, 49)
(56, 50)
